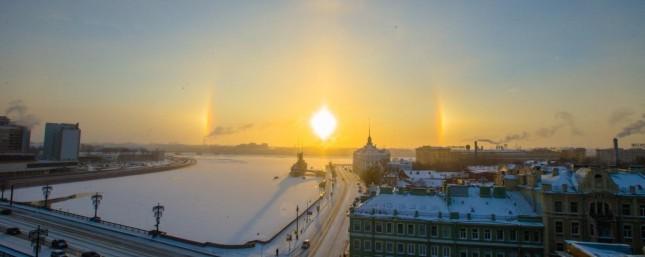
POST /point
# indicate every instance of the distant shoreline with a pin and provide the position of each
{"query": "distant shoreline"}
(76, 176)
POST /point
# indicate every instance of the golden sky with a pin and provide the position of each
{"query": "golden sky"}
(542, 74)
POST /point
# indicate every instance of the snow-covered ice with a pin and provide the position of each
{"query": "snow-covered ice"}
(223, 199)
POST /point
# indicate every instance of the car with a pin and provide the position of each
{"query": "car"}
(90, 254)
(59, 244)
(306, 244)
(5, 212)
(13, 231)
(58, 253)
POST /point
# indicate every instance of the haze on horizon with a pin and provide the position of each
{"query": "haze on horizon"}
(541, 73)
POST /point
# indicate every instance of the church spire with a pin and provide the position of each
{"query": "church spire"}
(369, 132)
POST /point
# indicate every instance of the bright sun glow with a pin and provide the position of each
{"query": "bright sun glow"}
(323, 123)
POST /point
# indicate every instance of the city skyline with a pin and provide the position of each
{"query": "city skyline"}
(422, 73)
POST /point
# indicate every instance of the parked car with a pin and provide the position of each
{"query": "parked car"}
(58, 253)
(306, 244)
(5, 212)
(59, 244)
(13, 231)
(90, 254)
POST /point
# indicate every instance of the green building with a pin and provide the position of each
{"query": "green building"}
(461, 221)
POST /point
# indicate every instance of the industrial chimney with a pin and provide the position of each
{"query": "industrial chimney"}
(616, 160)
(476, 149)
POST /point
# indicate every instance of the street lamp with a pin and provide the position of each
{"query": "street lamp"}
(36, 237)
(297, 226)
(47, 190)
(96, 200)
(158, 212)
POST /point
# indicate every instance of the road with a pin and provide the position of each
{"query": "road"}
(82, 237)
(333, 236)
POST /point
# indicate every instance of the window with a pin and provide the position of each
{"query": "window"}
(367, 226)
(357, 226)
(433, 230)
(410, 229)
(591, 230)
(500, 235)
(410, 249)
(488, 254)
(462, 233)
(536, 236)
(446, 252)
(433, 251)
(367, 245)
(475, 254)
(558, 227)
(400, 248)
(487, 235)
(627, 231)
(399, 228)
(573, 207)
(389, 247)
(643, 232)
(423, 250)
(378, 227)
(558, 206)
(357, 244)
(559, 247)
(512, 235)
(475, 234)
(575, 228)
(378, 246)
(642, 210)
(627, 209)
(499, 255)
(446, 232)
(527, 236)
(463, 253)
(388, 227)
(422, 230)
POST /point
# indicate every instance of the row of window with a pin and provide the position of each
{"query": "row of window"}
(420, 249)
(420, 230)
(575, 230)
(626, 209)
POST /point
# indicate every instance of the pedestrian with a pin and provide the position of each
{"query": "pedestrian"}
(277, 252)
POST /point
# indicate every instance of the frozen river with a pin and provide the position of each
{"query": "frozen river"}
(223, 199)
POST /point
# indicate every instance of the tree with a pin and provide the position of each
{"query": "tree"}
(96, 200)
(47, 190)
(372, 175)
(157, 210)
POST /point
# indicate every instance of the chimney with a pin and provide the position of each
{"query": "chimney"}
(476, 149)
(616, 160)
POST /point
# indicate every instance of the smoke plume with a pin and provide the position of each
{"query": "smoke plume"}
(637, 127)
(17, 112)
(507, 139)
(221, 130)
(564, 120)
(620, 115)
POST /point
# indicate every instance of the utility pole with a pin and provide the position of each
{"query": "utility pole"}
(297, 226)
(11, 197)
(35, 238)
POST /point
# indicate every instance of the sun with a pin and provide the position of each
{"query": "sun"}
(323, 123)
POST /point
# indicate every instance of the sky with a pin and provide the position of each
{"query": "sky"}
(524, 73)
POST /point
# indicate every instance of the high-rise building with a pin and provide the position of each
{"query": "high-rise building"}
(62, 142)
(13, 138)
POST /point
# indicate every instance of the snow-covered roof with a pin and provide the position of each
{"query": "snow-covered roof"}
(562, 179)
(470, 208)
(628, 181)
(602, 249)
(483, 169)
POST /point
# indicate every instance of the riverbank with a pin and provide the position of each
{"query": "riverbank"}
(75, 176)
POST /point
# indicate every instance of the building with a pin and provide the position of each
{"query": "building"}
(626, 156)
(13, 138)
(588, 204)
(592, 249)
(369, 156)
(62, 142)
(430, 156)
(461, 221)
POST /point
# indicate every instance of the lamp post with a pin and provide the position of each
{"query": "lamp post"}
(96, 200)
(47, 190)
(157, 210)
(35, 236)
(297, 226)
